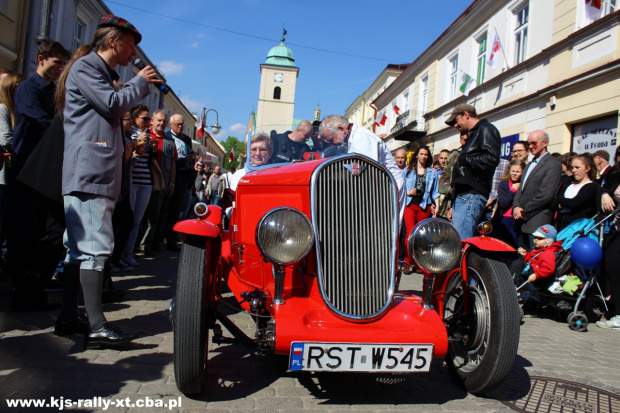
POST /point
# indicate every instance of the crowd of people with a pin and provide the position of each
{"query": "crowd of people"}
(527, 197)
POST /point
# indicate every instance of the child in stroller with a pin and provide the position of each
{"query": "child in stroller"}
(538, 266)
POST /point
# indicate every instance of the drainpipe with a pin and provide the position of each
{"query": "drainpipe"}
(374, 108)
(363, 110)
(45, 22)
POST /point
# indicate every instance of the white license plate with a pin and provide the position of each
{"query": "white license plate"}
(360, 357)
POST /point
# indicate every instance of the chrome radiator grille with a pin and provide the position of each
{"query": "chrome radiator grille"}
(354, 213)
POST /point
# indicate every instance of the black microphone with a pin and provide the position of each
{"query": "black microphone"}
(140, 65)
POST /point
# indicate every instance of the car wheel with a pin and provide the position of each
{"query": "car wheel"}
(483, 343)
(191, 316)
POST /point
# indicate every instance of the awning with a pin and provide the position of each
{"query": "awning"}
(207, 158)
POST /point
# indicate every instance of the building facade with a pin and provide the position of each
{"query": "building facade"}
(361, 111)
(13, 22)
(558, 69)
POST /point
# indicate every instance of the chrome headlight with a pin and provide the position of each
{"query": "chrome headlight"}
(434, 245)
(284, 235)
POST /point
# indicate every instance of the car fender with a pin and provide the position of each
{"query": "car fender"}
(209, 225)
(488, 244)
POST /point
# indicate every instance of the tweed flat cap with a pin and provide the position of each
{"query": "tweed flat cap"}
(110, 20)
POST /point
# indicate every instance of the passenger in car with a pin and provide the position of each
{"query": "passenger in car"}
(261, 150)
(290, 146)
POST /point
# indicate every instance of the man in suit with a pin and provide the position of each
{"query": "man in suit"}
(92, 164)
(539, 185)
(184, 178)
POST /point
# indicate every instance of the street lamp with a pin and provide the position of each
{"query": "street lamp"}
(215, 128)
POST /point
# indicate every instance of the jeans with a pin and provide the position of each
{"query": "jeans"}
(214, 199)
(466, 213)
(140, 196)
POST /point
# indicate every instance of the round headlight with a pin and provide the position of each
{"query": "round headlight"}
(434, 245)
(284, 235)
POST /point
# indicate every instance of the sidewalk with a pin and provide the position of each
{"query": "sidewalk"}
(34, 363)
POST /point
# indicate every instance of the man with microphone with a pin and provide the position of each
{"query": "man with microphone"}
(93, 156)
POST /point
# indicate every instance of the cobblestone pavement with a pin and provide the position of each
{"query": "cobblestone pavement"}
(34, 363)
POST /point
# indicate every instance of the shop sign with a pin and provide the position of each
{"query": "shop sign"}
(595, 135)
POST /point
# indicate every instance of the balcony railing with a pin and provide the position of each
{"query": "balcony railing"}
(406, 118)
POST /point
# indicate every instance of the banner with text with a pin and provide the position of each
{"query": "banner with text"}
(597, 134)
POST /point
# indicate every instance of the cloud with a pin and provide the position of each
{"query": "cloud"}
(191, 104)
(238, 129)
(169, 67)
(195, 45)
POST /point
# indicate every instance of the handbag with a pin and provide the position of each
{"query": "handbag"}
(158, 177)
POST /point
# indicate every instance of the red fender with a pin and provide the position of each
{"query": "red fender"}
(207, 226)
(488, 244)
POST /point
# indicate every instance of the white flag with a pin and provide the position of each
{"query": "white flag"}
(594, 11)
(467, 83)
(493, 53)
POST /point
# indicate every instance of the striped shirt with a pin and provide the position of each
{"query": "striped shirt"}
(141, 173)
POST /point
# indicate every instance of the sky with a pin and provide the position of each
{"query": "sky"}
(210, 51)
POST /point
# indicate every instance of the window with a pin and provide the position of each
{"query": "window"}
(78, 35)
(423, 97)
(522, 17)
(482, 57)
(276, 92)
(453, 70)
(405, 101)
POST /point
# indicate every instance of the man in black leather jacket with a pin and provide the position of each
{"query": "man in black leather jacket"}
(472, 174)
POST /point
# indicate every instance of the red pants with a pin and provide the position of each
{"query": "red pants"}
(412, 215)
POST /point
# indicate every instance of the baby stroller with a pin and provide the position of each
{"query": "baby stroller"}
(579, 258)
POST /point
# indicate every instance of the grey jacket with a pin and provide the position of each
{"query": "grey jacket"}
(93, 139)
(536, 195)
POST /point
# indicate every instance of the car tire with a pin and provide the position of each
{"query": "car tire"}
(190, 317)
(483, 344)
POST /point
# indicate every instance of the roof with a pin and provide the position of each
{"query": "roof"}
(281, 55)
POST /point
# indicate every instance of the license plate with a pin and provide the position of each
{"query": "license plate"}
(360, 357)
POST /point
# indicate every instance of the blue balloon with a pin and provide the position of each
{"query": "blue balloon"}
(586, 253)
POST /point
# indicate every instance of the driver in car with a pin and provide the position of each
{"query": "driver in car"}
(340, 136)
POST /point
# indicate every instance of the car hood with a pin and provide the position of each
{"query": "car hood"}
(289, 175)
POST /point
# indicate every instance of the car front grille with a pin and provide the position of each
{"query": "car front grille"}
(355, 222)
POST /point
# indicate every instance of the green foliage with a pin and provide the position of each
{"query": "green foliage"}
(232, 142)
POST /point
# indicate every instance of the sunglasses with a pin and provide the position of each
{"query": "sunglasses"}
(144, 117)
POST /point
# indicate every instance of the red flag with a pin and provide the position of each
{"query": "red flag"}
(594, 3)
(380, 118)
(200, 124)
(395, 107)
(231, 155)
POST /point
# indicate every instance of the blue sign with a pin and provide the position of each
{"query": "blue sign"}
(507, 144)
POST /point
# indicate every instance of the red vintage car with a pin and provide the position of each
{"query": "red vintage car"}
(311, 253)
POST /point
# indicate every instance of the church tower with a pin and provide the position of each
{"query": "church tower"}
(276, 100)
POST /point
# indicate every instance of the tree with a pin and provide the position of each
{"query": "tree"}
(237, 145)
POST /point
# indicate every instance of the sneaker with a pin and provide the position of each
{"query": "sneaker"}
(114, 268)
(131, 261)
(123, 266)
(613, 323)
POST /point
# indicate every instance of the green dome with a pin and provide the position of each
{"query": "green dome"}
(281, 56)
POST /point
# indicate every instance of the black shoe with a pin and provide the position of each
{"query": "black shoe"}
(77, 326)
(115, 296)
(172, 247)
(109, 335)
(531, 305)
(54, 286)
(155, 247)
(148, 252)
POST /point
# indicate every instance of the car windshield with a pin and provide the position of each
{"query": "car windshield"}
(277, 145)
